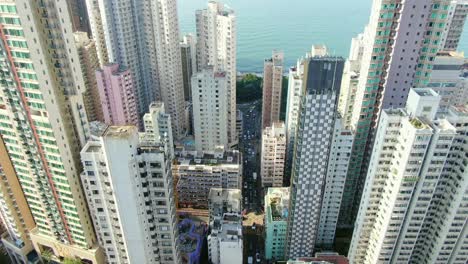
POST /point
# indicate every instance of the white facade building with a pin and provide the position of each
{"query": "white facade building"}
(399, 45)
(225, 243)
(350, 81)
(447, 78)
(210, 109)
(196, 173)
(412, 210)
(317, 117)
(145, 38)
(458, 13)
(273, 155)
(293, 105)
(216, 46)
(221, 201)
(129, 189)
(338, 161)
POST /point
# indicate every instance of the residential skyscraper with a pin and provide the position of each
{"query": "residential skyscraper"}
(337, 169)
(44, 124)
(188, 49)
(97, 30)
(144, 37)
(272, 85)
(210, 109)
(400, 44)
(350, 80)
(117, 94)
(415, 187)
(129, 189)
(216, 46)
(447, 78)
(89, 64)
(273, 155)
(459, 11)
(14, 213)
(78, 15)
(317, 117)
(293, 104)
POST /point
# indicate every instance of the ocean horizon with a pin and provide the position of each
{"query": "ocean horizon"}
(292, 26)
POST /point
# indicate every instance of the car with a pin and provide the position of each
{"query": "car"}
(257, 257)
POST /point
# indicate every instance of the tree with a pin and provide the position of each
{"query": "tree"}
(47, 256)
(249, 88)
(71, 261)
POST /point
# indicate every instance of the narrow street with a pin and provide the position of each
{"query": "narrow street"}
(250, 146)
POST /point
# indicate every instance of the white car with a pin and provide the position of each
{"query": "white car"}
(257, 257)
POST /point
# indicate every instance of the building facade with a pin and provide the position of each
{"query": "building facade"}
(396, 55)
(132, 203)
(447, 78)
(145, 39)
(321, 88)
(225, 242)
(272, 86)
(338, 162)
(221, 201)
(15, 214)
(117, 94)
(188, 49)
(276, 222)
(89, 63)
(196, 173)
(459, 11)
(293, 104)
(216, 46)
(413, 193)
(44, 124)
(273, 155)
(97, 30)
(210, 109)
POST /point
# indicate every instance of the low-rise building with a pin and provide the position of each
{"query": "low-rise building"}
(221, 201)
(322, 258)
(191, 236)
(225, 243)
(276, 222)
(196, 173)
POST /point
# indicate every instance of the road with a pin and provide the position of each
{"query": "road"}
(252, 192)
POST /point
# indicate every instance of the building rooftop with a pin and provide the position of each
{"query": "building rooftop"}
(216, 158)
(277, 204)
(191, 237)
(91, 146)
(120, 131)
(228, 227)
(97, 128)
(322, 258)
(425, 92)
